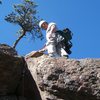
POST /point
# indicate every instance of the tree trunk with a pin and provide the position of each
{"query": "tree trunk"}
(19, 38)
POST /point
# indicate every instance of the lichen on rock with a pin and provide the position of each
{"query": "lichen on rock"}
(66, 79)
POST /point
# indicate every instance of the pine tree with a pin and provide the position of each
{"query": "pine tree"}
(0, 1)
(24, 15)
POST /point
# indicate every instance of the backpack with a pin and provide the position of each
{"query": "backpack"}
(64, 37)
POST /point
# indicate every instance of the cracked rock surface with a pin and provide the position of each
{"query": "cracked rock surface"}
(66, 79)
(16, 82)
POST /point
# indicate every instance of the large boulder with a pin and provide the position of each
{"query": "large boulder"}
(53, 78)
(8, 50)
(66, 79)
(12, 97)
(16, 82)
(10, 70)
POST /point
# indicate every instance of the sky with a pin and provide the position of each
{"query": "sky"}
(81, 16)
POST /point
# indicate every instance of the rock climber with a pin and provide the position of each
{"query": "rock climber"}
(53, 49)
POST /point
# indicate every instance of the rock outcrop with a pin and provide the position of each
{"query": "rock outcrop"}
(66, 79)
(6, 49)
(16, 82)
(40, 77)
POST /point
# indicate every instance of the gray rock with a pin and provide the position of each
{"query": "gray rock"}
(7, 49)
(16, 82)
(10, 73)
(66, 79)
(53, 78)
(13, 97)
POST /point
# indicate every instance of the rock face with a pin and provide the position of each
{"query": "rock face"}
(16, 82)
(66, 79)
(7, 50)
(44, 78)
(10, 73)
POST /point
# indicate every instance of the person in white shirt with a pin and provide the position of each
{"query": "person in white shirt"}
(51, 46)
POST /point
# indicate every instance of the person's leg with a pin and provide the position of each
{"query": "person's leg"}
(58, 50)
(64, 53)
(51, 49)
(61, 50)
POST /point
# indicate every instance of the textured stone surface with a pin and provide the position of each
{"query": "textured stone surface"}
(16, 82)
(7, 49)
(12, 98)
(56, 79)
(66, 79)
(10, 73)
(27, 86)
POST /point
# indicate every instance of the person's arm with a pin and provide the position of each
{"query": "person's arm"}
(43, 49)
(52, 30)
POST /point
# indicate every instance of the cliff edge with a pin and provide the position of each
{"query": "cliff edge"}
(66, 79)
(41, 77)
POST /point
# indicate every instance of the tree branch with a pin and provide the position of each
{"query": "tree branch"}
(19, 38)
